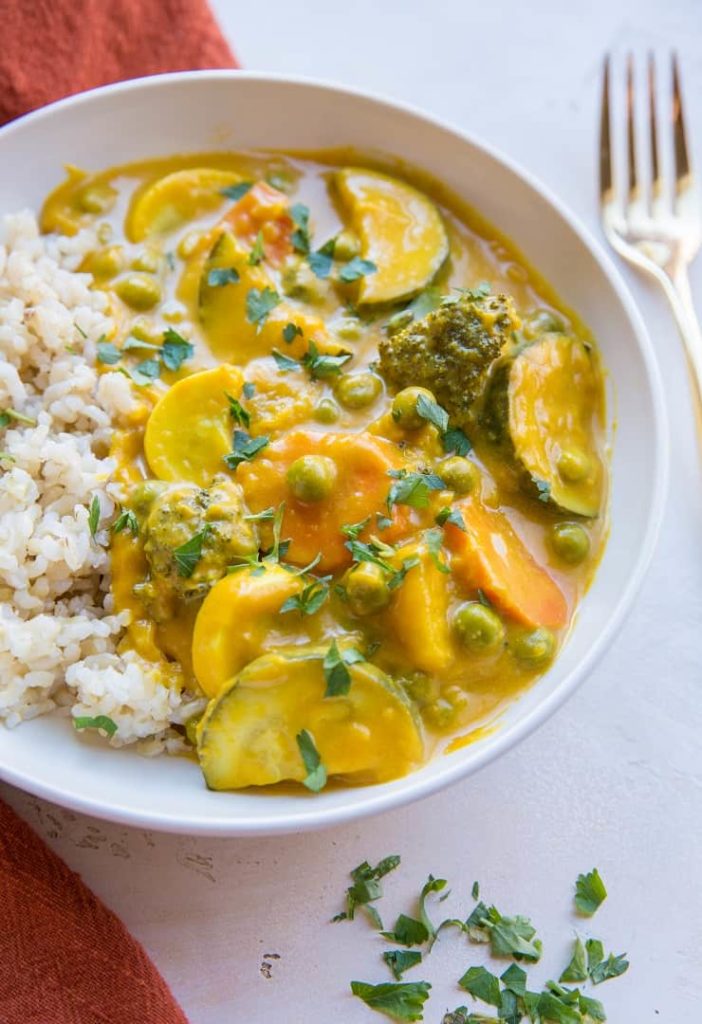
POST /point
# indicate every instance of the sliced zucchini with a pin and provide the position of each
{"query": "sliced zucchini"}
(401, 232)
(247, 736)
(190, 428)
(163, 205)
(543, 405)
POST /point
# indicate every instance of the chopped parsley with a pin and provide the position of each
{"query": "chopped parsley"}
(249, 389)
(175, 349)
(218, 277)
(236, 192)
(126, 520)
(316, 777)
(412, 489)
(354, 530)
(310, 599)
(481, 984)
(320, 265)
(323, 364)
(265, 515)
(290, 332)
(432, 412)
(257, 254)
(244, 448)
(475, 890)
(107, 353)
(187, 555)
(101, 722)
(400, 960)
(544, 489)
(237, 412)
(300, 237)
(434, 539)
(355, 269)
(590, 892)
(11, 415)
(94, 514)
(284, 363)
(260, 302)
(336, 669)
(455, 442)
(146, 371)
(453, 516)
(402, 1000)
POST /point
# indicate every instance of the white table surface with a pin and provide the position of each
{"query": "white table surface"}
(615, 779)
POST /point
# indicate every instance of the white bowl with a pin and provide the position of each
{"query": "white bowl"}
(237, 110)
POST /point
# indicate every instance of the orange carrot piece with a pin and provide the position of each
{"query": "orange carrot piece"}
(491, 557)
(263, 209)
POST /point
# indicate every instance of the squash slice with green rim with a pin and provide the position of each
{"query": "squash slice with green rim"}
(165, 204)
(190, 428)
(247, 736)
(544, 403)
(401, 232)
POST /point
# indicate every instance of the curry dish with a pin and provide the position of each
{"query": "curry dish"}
(364, 487)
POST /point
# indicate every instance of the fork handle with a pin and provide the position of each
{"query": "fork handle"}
(677, 288)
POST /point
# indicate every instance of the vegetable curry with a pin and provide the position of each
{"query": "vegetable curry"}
(363, 485)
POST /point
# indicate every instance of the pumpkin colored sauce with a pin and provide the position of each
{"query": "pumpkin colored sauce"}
(363, 480)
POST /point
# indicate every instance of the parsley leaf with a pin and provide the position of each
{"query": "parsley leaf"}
(398, 577)
(284, 363)
(590, 892)
(235, 192)
(187, 555)
(455, 442)
(237, 412)
(366, 887)
(481, 984)
(146, 371)
(290, 332)
(431, 885)
(257, 254)
(432, 412)
(218, 277)
(551, 1008)
(94, 514)
(249, 389)
(126, 520)
(356, 268)
(310, 599)
(316, 772)
(403, 1001)
(320, 364)
(577, 968)
(102, 722)
(320, 264)
(612, 967)
(544, 489)
(595, 954)
(300, 238)
(434, 539)
(408, 931)
(508, 936)
(475, 890)
(336, 672)
(400, 960)
(354, 530)
(107, 353)
(175, 349)
(412, 489)
(453, 516)
(259, 304)
(245, 448)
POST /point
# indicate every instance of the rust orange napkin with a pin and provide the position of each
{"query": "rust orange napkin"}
(64, 957)
(53, 48)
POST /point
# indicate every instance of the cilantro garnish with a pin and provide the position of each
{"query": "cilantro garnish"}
(237, 412)
(320, 264)
(577, 968)
(94, 514)
(126, 520)
(310, 599)
(257, 254)
(259, 304)
(235, 192)
(244, 448)
(432, 412)
(107, 353)
(336, 669)
(218, 277)
(400, 960)
(300, 237)
(187, 555)
(316, 772)
(481, 984)
(544, 489)
(453, 516)
(323, 364)
(590, 892)
(434, 539)
(412, 489)
(265, 515)
(290, 332)
(455, 442)
(101, 722)
(284, 363)
(248, 390)
(400, 1000)
(175, 349)
(356, 268)
(146, 371)
(354, 530)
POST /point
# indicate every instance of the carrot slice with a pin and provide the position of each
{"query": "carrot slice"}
(265, 209)
(361, 489)
(490, 556)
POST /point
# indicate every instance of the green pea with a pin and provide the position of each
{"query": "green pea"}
(144, 494)
(533, 647)
(346, 246)
(573, 465)
(96, 198)
(348, 329)
(148, 260)
(144, 330)
(106, 263)
(459, 474)
(420, 688)
(139, 291)
(478, 628)
(440, 713)
(398, 322)
(311, 478)
(367, 589)
(357, 390)
(404, 408)
(570, 541)
(327, 411)
(542, 321)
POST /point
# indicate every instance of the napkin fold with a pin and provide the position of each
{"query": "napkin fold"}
(64, 957)
(53, 48)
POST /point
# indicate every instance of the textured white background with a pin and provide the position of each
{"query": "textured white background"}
(615, 779)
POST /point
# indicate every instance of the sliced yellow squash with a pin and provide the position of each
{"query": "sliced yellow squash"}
(163, 205)
(190, 429)
(234, 621)
(401, 232)
(419, 612)
(247, 736)
(553, 399)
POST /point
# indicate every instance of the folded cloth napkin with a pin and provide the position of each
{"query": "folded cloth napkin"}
(53, 48)
(64, 957)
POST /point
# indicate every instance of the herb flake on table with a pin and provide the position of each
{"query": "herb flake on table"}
(316, 777)
(577, 967)
(481, 984)
(367, 887)
(408, 931)
(401, 960)
(590, 892)
(403, 1001)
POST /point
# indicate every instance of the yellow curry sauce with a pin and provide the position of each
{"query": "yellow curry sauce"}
(364, 486)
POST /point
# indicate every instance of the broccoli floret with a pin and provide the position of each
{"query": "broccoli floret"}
(451, 350)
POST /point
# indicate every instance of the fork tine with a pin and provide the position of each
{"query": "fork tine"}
(631, 130)
(606, 175)
(683, 177)
(656, 184)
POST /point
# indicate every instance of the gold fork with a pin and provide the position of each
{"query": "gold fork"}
(657, 225)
